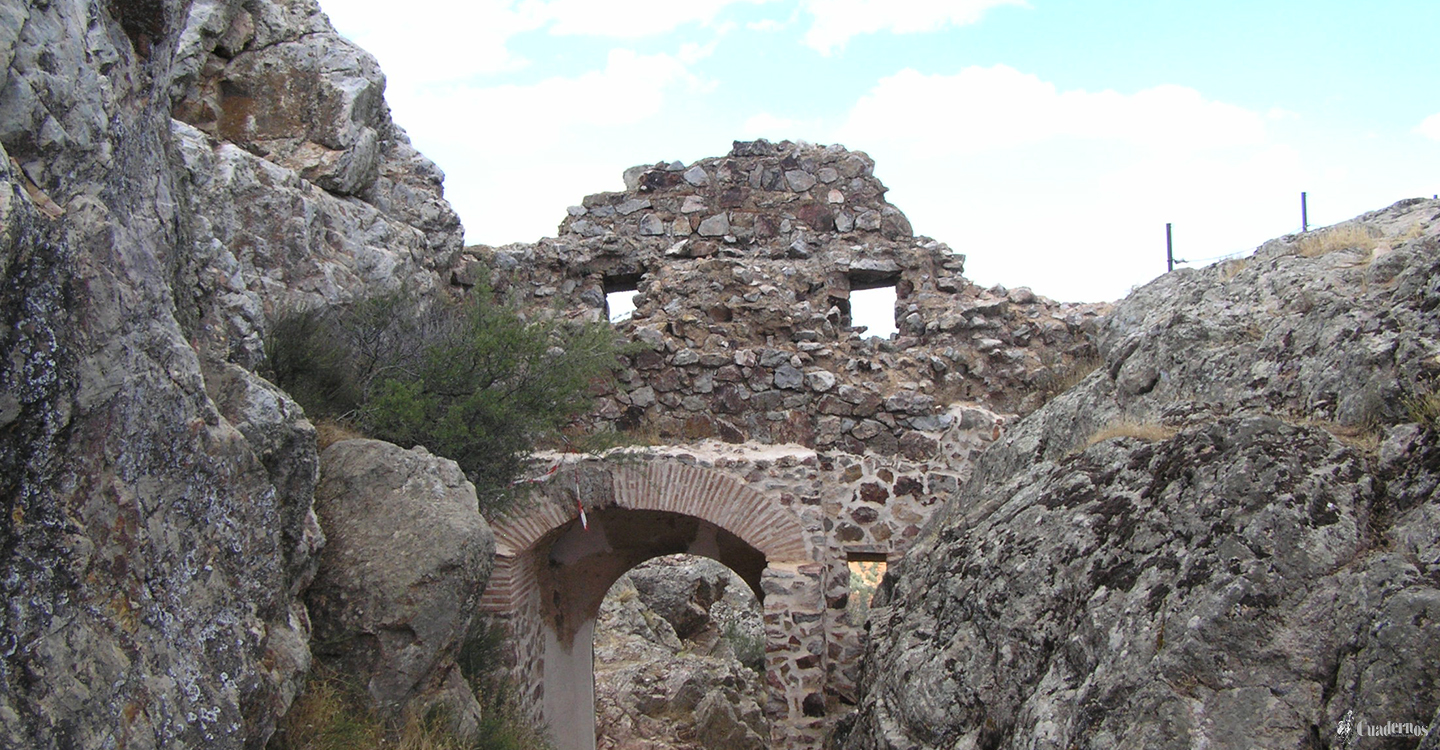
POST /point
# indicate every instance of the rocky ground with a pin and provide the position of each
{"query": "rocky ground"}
(1228, 535)
(669, 645)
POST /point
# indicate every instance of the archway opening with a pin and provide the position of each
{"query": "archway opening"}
(679, 652)
(584, 560)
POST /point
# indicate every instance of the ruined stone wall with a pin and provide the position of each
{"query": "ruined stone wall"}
(747, 362)
(745, 266)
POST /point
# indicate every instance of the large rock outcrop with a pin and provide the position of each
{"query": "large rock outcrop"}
(1225, 536)
(171, 175)
(401, 576)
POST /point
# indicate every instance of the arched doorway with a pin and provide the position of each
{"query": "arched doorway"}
(553, 570)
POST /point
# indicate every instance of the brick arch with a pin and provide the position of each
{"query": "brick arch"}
(669, 486)
(550, 575)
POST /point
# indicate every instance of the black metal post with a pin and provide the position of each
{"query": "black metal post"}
(1169, 250)
(1304, 215)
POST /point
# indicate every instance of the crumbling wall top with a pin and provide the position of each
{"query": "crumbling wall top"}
(744, 268)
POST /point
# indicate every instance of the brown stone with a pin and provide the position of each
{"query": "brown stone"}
(649, 360)
(727, 400)
(699, 427)
(817, 216)
(908, 485)
(872, 492)
(670, 380)
(729, 432)
(917, 447)
(733, 197)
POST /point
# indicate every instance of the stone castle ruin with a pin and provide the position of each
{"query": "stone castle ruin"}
(787, 443)
(175, 177)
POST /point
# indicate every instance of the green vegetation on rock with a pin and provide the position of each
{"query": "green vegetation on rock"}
(472, 380)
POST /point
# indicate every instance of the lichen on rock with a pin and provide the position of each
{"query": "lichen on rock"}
(1246, 576)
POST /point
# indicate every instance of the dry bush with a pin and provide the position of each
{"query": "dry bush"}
(1056, 380)
(330, 431)
(332, 714)
(1147, 431)
(1078, 371)
(1326, 241)
(328, 715)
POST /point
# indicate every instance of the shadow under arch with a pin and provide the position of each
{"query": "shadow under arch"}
(584, 563)
(551, 573)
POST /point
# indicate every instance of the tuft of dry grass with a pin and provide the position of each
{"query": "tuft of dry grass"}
(1147, 431)
(1055, 381)
(1416, 230)
(1424, 408)
(328, 716)
(1078, 371)
(1365, 437)
(329, 431)
(1231, 268)
(333, 715)
(1335, 239)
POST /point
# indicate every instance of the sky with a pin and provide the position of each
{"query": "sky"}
(1049, 141)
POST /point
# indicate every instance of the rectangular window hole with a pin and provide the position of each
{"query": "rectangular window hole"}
(620, 293)
(874, 309)
(865, 574)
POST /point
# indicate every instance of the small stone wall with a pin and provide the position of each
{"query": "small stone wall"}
(813, 511)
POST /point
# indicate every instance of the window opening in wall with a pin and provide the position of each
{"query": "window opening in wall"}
(620, 294)
(865, 574)
(872, 302)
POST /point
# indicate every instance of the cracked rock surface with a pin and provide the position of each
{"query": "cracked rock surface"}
(1228, 535)
(172, 175)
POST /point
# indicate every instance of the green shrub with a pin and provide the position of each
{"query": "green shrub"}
(471, 381)
(503, 725)
(749, 649)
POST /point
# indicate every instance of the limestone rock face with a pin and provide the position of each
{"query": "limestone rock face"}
(656, 690)
(157, 527)
(301, 191)
(1216, 568)
(400, 578)
(683, 595)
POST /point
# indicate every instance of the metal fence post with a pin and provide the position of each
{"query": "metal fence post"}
(1169, 250)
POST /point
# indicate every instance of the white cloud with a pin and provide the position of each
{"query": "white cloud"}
(981, 109)
(440, 42)
(691, 53)
(629, 89)
(1430, 127)
(1069, 191)
(628, 19)
(435, 41)
(837, 21)
(552, 142)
